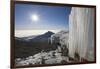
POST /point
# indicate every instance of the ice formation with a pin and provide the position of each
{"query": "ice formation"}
(81, 35)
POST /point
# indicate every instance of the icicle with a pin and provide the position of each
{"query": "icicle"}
(80, 20)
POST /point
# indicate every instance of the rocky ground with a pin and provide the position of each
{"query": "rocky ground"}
(51, 57)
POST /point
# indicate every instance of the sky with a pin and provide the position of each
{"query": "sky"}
(33, 19)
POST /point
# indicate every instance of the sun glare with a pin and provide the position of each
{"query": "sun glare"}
(35, 17)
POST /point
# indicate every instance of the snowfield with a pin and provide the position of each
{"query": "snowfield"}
(42, 58)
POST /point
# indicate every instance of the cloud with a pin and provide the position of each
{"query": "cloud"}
(25, 33)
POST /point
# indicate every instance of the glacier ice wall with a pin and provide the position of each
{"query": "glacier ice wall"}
(81, 32)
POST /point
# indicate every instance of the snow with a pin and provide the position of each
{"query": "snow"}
(60, 37)
(45, 57)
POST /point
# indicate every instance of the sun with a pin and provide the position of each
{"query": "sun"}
(35, 17)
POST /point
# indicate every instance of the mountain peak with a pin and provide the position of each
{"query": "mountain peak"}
(49, 32)
(43, 37)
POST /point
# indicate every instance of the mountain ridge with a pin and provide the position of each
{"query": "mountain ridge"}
(41, 37)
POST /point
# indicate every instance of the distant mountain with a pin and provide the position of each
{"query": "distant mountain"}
(42, 37)
(29, 37)
(27, 46)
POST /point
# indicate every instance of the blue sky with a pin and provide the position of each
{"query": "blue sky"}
(49, 17)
